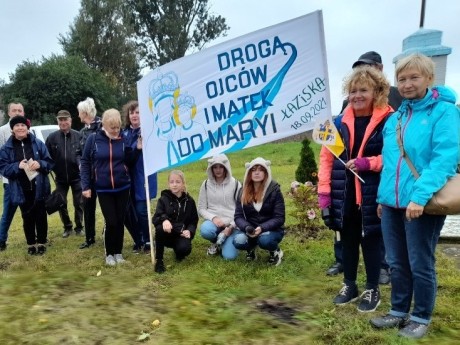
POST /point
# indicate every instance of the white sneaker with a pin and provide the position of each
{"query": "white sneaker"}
(212, 250)
(110, 260)
(119, 259)
(275, 257)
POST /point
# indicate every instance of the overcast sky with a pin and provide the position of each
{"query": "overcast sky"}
(29, 29)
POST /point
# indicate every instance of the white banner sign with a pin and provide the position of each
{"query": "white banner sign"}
(257, 88)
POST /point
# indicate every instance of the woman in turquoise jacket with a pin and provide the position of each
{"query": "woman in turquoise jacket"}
(429, 122)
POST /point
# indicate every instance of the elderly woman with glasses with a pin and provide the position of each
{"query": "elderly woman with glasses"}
(260, 212)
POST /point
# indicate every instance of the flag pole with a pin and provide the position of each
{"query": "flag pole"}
(345, 164)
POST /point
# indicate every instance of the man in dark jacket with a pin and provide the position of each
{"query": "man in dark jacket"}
(64, 147)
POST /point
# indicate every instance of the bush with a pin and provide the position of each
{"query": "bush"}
(307, 169)
(306, 210)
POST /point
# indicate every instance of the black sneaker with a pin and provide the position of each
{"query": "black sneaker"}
(137, 248)
(251, 255)
(160, 266)
(41, 249)
(32, 250)
(347, 294)
(147, 248)
(388, 321)
(370, 300)
(334, 269)
(413, 330)
(275, 257)
(79, 232)
(2, 246)
(66, 233)
(88, 243)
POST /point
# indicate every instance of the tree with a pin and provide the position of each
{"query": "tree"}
(167, 29)
(307, 169)
(57, 83)
(102, 37)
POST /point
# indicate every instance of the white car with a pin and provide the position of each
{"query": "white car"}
(42, 131)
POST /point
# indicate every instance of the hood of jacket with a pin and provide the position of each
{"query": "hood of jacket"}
(262, 162)
(432, 97)
(221, 159)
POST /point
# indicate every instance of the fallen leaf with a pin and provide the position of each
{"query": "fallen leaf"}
(98, 273)
(155, 323)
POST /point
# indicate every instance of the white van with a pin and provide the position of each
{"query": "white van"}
(42, 131)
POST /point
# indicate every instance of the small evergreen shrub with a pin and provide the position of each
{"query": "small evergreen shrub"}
(307, 169)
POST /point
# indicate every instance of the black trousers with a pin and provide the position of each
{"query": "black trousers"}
(63, 188)
(182, 246)
(35, 220)
(113, 207)
(89, 211)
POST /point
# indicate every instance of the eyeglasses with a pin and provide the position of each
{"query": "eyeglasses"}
(257, 168)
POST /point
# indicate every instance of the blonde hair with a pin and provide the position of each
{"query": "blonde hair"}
(416, 61)
(87, 106)
(111, 117)
(179, 173)
(372, 77)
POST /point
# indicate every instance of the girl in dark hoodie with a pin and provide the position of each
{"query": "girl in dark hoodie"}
(175, 220)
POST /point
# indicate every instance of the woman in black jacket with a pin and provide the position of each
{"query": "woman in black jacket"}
(260, 212)
(175, 220)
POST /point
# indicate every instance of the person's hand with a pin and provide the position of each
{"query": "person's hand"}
(257, 232)
(413, 211)
(324, 200)
(185, 233)
(34, 165)
(86, 193)
(218, 222)
(228, 230)
(167, 226)
(23, 164)
(379, 210)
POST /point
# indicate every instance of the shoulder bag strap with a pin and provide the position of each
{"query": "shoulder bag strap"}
(403, 153)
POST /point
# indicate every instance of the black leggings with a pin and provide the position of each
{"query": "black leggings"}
(113, 207)
(182, 246)
(34, 219)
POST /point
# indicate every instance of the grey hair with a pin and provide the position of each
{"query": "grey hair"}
(87, 106)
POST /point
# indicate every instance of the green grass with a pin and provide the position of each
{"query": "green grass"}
(69, 296)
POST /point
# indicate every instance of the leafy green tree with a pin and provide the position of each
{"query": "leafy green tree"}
(57, 83)
(167, 29)
(307, 169)
(101, 35)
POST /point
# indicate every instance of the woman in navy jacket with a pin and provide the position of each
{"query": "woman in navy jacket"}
(24, 152)
(106, 157)
(260, 212)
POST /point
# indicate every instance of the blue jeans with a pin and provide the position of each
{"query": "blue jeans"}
(410, 247)
(209, 231)
(268, 240)
(8, 213)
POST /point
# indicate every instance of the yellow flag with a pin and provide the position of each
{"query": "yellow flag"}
(325, 133)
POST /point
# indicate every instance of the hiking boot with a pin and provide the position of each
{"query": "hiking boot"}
(32, 250)
(335, 269)
(347, 294)
(88, 243)
(414, 330)
(41, 249)
(66, 233)
(370, 300)
(384, 277)
(110, 260)
(212, 250)
(119, 258)
(160, 266)
(275, 257)
(388, 321)
(251, 255)
(2, 246)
